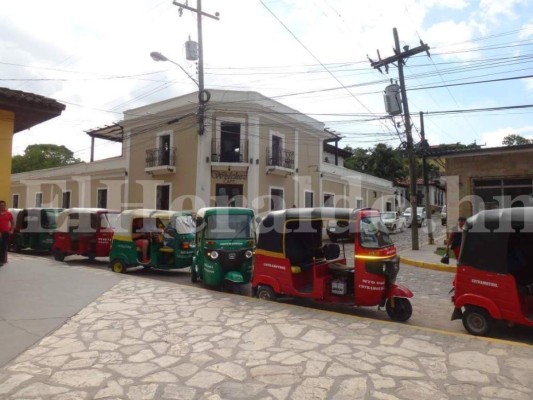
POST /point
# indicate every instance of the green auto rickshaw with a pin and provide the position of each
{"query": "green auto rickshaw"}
(157, 239)
(225, 244)
(34, 229)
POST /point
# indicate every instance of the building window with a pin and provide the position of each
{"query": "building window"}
(358, 203)
(101, 200)
(309, 200)
(15, 201)
(230, 142)
(277, 149)
(162, 197)
(329, 200)
(38, 199)
(276, 199)
(65, 203)
(502, 193)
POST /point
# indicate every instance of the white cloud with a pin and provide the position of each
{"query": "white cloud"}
(495, 138)
(493, 10)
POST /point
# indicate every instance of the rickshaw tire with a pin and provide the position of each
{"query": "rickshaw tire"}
(266, 293)
(401, 311)
(59, 255)
(91, 256)
(477, 321)
(118, 266)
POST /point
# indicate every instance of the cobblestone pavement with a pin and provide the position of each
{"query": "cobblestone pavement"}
(145, 339)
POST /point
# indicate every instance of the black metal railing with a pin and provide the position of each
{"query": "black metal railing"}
(280, 158)
(161, 157)
(229, 151)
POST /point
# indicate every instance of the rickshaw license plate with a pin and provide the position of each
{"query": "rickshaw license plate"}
(232, 256)
(338, 286)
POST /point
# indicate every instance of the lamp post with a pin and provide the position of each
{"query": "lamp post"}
(203, 95)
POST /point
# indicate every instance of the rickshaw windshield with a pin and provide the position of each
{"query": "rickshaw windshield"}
(183, 224)
(49, 219)
(373, 233)
(229, 226)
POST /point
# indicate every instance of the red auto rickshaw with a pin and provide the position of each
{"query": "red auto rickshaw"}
(494, 278)
(291, 260)
(86, 232)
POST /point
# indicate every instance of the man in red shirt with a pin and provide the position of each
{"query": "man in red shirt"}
(7, 225)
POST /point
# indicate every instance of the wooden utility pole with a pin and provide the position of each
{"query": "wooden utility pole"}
(425, 173)
(203, 95)
(400, 58)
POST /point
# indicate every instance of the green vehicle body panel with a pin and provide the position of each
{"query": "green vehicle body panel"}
(211, 271)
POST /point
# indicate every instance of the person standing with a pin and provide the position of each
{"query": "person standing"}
(455, 237)
(7, 225)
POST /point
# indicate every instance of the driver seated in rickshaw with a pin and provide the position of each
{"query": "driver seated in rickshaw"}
(142, 231)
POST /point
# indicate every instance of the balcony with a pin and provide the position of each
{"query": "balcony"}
(229, 155)
(160, 161)
(279, 162)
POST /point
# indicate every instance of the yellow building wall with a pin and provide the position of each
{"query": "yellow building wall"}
(7, 125)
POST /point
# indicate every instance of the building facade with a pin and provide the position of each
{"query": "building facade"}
(255, 152)
(488, 178)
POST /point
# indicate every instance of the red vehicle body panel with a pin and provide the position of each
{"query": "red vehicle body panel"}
(496, 293)
(317, 281)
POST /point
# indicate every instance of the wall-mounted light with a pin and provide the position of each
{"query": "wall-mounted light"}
(296, 170)
(251, 160)
(207, 159)
(257, 161)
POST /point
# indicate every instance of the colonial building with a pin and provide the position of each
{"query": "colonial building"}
(487, 178)
(254, 152)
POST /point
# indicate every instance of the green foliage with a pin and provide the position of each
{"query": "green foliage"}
(42, 156)
(515, 140)
(382, 161)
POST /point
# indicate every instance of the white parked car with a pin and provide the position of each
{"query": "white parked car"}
(394, 221)
(420, 216)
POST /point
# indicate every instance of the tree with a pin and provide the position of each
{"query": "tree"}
(42, 156)
(515, 140)
(381, 161)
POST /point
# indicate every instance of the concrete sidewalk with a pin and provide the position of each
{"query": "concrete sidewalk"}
(425, 257)
(147, 339)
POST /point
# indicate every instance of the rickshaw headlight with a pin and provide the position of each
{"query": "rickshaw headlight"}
(248, 253)
(214, 254)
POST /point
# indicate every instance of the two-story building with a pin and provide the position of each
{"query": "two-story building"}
(255, 152)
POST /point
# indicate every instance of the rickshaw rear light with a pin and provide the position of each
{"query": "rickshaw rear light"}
(210, 243)
(248, 253)
(185, 245)
(213, 254)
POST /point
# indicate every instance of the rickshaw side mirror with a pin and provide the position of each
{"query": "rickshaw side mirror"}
(199, 221)
(258, 220)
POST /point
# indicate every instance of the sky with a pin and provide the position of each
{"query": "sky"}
(311, 55)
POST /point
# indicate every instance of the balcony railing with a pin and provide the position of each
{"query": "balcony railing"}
(229, 151)
(160, 157)
(280, 158)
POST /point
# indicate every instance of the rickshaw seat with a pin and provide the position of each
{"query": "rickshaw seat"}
(166, 249)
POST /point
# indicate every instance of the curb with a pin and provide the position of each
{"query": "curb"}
(428, 265)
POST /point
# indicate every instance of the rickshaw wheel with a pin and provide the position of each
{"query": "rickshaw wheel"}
(118, 266)
(91, 256)
(477, 321)
(266, 293)
(59, 255)
(402, 309)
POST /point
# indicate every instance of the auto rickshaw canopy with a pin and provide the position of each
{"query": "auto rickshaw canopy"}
(307, 222)
(492, 239)
(82, 219)
(127, 217)
(37, 219)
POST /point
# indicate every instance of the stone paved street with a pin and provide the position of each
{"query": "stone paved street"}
(145, 339)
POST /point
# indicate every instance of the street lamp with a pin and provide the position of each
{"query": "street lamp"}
(203, 95)
(157, 56)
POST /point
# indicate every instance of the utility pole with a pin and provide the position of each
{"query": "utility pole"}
(203, 95)
(426, 179)
(400, 58)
